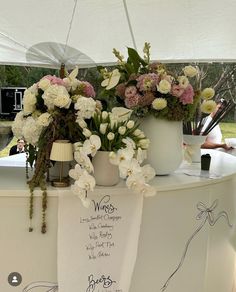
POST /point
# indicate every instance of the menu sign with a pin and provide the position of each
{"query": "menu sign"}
(97, 246)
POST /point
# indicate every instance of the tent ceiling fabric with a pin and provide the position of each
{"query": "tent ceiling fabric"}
(84, 32)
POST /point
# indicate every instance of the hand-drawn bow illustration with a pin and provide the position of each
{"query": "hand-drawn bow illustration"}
(50, 287)
(206, 215)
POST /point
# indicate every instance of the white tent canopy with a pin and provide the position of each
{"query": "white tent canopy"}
(84, 32)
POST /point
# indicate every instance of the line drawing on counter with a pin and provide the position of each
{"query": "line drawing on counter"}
(206, 215)
(53, 287)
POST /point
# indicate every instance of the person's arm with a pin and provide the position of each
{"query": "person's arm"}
(210, 145)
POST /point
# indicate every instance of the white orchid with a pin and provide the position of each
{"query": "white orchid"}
(128, 167)
(83, 159)
(134, 180)
(125, 154)
(148, 172)
(76, 172)
(86, 181)
(82, 194)
(141, 155)
(92, 145)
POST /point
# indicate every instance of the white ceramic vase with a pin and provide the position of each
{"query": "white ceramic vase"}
(165, 152)
(193, 147)
(105, 173)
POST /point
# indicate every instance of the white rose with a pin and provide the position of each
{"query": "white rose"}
(159, 103)
(122, 130)
(130, 124)
(103, 128)
(190, 71)
(110, 136)
(183, 81)
(164, 86)
(44, 84)
(208, 93)
(44, 119)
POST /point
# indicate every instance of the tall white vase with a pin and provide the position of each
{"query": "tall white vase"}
(165, 152)
(105, 173)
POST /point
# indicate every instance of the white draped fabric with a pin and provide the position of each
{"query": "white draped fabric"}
(48, 32)
(97, 247)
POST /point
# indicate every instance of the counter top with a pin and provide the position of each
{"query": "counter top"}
(223, 166)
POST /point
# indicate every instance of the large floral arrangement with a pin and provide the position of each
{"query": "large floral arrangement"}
(66, 109)
(53, 109)
(117, 133)
(149, 88)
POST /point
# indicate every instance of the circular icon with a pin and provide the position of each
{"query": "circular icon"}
(14, 279)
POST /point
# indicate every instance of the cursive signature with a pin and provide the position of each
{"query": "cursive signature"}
(104, 204)
(106, 282)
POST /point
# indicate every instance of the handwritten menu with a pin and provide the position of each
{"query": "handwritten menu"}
(101, 244)
(101, 228)
(97, 252)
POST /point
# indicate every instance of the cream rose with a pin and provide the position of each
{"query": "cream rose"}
(164, 86)
(183, 81)
(190, 71)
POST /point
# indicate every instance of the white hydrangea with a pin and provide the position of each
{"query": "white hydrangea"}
(86, 107)
(44, 120)
(18, 124)
(29, 101)
(31, 131)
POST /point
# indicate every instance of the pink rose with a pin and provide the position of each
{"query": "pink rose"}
(176, 90)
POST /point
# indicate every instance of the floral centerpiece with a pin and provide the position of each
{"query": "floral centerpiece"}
(53, 108)
(66, 109)
(149, 88)
(116, 133)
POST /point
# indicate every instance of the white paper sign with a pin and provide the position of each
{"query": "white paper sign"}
(97, 247)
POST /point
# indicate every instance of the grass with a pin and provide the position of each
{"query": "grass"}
(228, 131)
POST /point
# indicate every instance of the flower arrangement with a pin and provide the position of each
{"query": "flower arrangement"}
(114, 132)
(53, 109)
(149, 88)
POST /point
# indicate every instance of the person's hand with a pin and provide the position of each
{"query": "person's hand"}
(226, 147)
